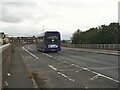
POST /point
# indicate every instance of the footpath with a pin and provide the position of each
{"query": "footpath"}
(100, 51)
(18, 75)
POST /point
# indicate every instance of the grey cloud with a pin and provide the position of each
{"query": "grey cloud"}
(11, 30)
(17, 30)
(11, 19)
(9, 11)
(48, 16)
(14, 30)
(19, 4)
(66, 3)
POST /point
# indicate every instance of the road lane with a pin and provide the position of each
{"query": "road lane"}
(106, 64)
(41, 67)
(71, 64)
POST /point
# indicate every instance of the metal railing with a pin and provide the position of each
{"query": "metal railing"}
(94, 46)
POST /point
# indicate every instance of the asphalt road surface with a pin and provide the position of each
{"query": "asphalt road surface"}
(71, 68)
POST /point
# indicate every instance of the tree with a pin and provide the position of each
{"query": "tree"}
(76, 38)
(100, 35)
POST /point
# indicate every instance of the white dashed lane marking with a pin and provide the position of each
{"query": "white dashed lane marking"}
(65, 62)
(65, 76)
(59, 73)
(52, 67)
(47, 55)
(105, 68)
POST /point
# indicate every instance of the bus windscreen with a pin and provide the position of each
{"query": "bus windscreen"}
(52, 38)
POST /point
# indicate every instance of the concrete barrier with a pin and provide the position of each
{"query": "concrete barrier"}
(5, 60)
(94, 46)
(0, 68)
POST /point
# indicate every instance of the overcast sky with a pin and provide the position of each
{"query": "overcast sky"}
(29, 17)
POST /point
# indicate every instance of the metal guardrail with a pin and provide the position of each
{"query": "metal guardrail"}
(5, 59)
(94, 46)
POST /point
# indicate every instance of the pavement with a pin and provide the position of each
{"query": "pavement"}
(102, 51)
(18, 74)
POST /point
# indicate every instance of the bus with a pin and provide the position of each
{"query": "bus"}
(48, 41)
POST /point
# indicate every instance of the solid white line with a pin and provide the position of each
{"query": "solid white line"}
(47, 55)
(94, 72)
(30, 53)
(105, 68)
(108, 77)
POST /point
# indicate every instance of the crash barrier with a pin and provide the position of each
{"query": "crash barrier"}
(0, 68)
(5, 58)
(94, 46)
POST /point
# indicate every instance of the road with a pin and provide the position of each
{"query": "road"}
(71, 68)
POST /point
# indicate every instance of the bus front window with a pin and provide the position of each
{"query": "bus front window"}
(52, 39)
